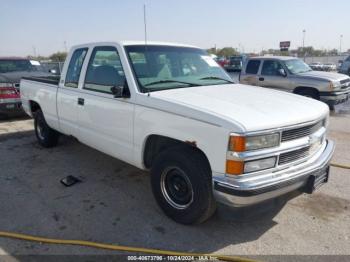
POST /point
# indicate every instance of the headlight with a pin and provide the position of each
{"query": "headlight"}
(261, 164)
(334, 85)
(234, 167)
(242, 143)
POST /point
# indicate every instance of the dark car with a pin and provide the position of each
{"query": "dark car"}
(235, 63)
(12, 69)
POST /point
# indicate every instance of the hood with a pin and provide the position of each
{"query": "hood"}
(251, 108)
(325, 75)
(15, 77)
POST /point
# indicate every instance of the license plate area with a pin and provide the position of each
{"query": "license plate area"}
(316, 180)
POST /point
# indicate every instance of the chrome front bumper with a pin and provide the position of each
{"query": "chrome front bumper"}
(10, 105)
(333, 98)
(244, 192)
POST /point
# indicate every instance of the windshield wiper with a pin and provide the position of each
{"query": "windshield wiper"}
(170, 81)
(216, 78)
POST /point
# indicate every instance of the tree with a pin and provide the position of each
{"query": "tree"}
(332, 52)
(212, 51)
(227, 51)
(58, 56)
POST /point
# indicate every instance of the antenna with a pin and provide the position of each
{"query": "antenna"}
(145, 22)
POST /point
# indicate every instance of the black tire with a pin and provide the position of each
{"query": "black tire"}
(309, 93)
(47, 137)
(331, 107)
(171, 171)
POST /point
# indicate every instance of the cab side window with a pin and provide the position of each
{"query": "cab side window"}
(104, 70)
(74, 68)
(253, 67)
(270, 68)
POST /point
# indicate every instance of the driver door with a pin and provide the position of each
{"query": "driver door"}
(271, 77)
(105, 122)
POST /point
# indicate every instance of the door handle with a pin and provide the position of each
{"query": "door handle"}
(261, 79)
(81, 101)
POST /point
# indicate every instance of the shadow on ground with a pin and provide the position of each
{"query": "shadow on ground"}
(113, 204)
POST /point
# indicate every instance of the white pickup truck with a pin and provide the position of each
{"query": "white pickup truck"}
(171, 109)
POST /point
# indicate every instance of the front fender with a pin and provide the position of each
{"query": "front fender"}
(209, 138)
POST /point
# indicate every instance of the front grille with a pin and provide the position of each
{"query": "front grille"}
(345, 81)
(293, 155)
(296, 133)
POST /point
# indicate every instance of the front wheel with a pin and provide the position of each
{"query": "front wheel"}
(309, 93)
(182, 185)
(47, 137)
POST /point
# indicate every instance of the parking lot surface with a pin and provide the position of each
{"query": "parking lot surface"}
(114, 204)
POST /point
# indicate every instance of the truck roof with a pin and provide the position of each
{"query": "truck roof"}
(274, 57)
(13, 58)
(126, 43)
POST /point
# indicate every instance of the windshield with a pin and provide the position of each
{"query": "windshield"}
(7, 66)
(166, 67)
(297, 66)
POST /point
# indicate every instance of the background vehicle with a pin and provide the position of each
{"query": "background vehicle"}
(222, 61)
(235, 63)
(317, 66)
(52, 67)
(293, 75)
(173, 110)
(11, 71)
(345, 66)
(329, 67)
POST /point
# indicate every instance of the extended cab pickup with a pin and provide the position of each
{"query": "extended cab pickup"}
(293, 75)
(172, 110)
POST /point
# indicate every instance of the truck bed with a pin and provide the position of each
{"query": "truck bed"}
(52, 80)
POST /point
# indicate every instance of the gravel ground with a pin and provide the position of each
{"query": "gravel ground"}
(114, 204)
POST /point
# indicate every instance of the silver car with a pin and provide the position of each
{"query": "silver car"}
(293, 75)
(345, 66)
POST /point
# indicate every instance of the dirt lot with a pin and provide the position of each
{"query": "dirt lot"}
(114, 204)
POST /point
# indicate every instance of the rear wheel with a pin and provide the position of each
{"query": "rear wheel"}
(47, 137)
(182, 185)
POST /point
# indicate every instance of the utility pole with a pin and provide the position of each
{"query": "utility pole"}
(341, 39)
(304, 32)
(34, 51)
(65, 46)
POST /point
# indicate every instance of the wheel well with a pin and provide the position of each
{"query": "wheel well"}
(34, 106)
(156, 144)
(299, 89)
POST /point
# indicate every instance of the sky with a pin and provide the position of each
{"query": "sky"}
(44, 27)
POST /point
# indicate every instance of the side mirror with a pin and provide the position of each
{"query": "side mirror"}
(282, 72)
(117, 91)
